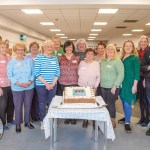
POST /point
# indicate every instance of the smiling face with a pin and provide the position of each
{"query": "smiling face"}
(48, 48)
(143, 43)
(100, 50)
(34, 49)
(69, 49)
(3, 49)
(128, 47)
(57, 44)
(19, 51)
(89, 56)
(110, 51)
(81, 46)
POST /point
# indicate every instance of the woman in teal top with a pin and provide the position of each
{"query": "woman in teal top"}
(129, 85)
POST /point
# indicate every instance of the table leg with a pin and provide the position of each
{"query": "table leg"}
(105, 135)
(55, 130)
(96, 130)
(51, 133)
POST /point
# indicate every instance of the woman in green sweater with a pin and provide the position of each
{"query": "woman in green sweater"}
(129, 85)
(112, 74)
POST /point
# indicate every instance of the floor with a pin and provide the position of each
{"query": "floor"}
(74, 137)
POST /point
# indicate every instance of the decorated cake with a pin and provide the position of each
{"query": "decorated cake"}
(79, 95)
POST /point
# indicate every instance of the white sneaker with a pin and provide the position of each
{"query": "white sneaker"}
(42, 126)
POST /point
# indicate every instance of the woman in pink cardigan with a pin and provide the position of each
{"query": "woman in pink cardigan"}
(89, 74)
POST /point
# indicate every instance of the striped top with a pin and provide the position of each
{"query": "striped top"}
(47, 68)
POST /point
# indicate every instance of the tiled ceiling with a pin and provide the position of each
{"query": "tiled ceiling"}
(76, 21)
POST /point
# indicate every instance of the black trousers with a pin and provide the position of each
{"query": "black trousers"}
(61, 87)
(141, 95)
(6, 105)
(110, 100)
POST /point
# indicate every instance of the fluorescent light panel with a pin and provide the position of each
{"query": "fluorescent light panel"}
(126, 34)
(91, 37)
(47, 23)
(60, 34)
(32, 11)
(148, 24)
(63, 37)
(137, 30)
(93, 34)
(107, 11)
(96, 30)
(100, 23)
(55, 30)
(72, 39)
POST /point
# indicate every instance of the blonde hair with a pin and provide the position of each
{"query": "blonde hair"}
(114, 48)
(49, 42)
(4, 43)
(55, 37)
(134, 51)
(79, 41)
(19, 44)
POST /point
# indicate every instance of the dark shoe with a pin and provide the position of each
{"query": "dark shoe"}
(18, 128)
(11, 122)
(67, 121)
(148, 132)
(73, 121)
(121, 121)
(29, 125)
(145, 124)
(5, 127)
(85, 124)
(127, 128)
(141, 121)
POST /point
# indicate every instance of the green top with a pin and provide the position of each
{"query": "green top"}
(112, 73)
(131, 73)
(58, 53)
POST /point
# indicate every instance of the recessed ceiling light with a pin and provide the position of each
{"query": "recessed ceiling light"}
(96, 30)
(100, 23)
(55, 30)
(126, 34)
(60, 34)
(63, 37)
(91, 37)
(47, 23)
(72, 39)
(148, 24)
(137, 30)
(93, 34)
(107, 11)
(32, 11)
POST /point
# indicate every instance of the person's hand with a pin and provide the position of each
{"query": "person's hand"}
(28, 83)
(144, 83)
(49, 86)
(113, 90)
(134, 89)
(22, 84)
(1, 92)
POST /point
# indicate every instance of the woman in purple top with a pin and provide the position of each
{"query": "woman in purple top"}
(34, 49)
(89, 74)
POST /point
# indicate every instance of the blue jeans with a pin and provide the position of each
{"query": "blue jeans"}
(44, 96)
(127, 110)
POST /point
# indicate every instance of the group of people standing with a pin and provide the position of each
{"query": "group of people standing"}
(36, 78)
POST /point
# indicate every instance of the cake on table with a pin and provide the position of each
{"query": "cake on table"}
(79, 95)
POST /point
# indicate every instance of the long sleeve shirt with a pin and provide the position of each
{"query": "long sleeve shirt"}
(89, 74)
(4, 81)
(47, 68)
(112, 73)
(20, 71)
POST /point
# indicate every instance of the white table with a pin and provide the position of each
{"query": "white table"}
(100, 115)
